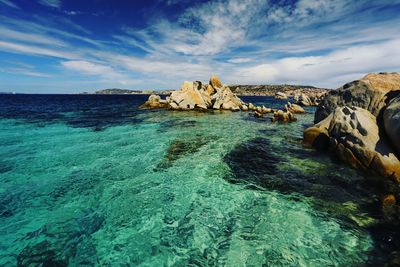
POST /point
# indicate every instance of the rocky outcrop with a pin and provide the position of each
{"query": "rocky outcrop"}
(355, 138)
(294, 108)
(311, 99)
(188, 97)
(154, 101)
(195, 95)
(280, 95)
(372, 93)
(225, 99)
(391, 121)
(283, 116)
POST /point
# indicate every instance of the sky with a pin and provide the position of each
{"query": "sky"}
(68, 46)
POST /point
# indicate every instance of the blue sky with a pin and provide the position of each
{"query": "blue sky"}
(68, 46)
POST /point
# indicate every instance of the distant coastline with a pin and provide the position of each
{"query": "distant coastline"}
(240, 90)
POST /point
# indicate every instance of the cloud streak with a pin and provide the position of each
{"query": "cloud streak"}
(319, 42)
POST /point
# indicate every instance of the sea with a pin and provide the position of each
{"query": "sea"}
(92, 180)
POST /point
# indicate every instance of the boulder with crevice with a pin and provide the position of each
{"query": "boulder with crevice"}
(355, 138)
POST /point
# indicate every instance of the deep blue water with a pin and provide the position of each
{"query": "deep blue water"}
(93, 180)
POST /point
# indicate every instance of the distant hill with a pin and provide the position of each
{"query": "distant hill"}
(116, 91)
(271, 90)
(260, 90)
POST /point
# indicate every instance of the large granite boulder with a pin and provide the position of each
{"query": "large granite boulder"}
(391, 120)
(225, 99)
(355, 138)
(372, 93)
(188, 97)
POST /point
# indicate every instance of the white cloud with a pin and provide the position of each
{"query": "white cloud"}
(239, 60)
(331, 70)
(6, 33)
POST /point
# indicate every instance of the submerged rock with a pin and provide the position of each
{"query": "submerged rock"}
(283, 116)
(179, 148)
(253, 161)
(62, 243)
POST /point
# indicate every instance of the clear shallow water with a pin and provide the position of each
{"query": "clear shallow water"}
(92, 180)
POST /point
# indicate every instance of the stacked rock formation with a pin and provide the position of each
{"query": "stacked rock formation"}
(195, 95)
(360, 123)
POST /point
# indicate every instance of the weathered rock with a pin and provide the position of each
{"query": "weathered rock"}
(154, 101)
(188, 97)
(303, 100)
(265, 110)
(283, 116)
(318, 135)
(215, 82)
(251, 106)
(372, 93)
(258, 114)
(225, 99)
(294, 108)
(244, 108)
(391, 119)
(355, 138)
(389, 206)
(280, 95)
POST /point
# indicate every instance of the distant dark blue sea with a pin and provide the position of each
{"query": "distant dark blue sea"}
(91, 180)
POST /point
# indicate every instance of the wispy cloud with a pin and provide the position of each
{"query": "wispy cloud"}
(35, 50)
(51, 3)
(107, 73)
(319, 42)
(8, 3)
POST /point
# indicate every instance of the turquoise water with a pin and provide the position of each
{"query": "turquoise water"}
(159, 188)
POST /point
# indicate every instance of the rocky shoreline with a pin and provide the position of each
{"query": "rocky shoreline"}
(217, 96)
(359, 124)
